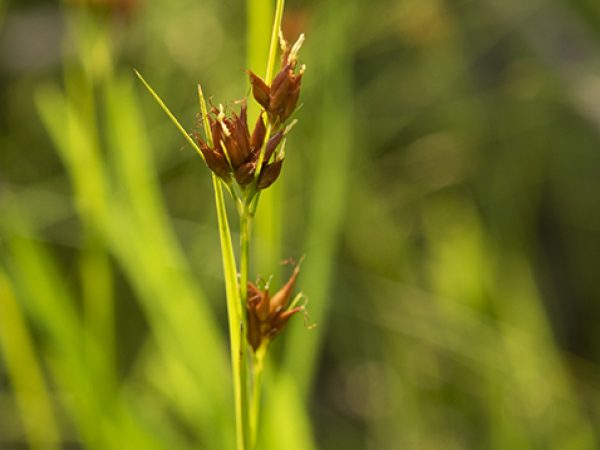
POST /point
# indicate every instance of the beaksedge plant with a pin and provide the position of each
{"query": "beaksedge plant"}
(245, 163)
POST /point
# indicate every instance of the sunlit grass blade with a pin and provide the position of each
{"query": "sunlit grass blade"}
(139, 216)
(76, 142)
(29, 387)
(49, 304)
(183, 323)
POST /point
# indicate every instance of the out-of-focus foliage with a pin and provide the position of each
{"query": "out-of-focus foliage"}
(442, 181)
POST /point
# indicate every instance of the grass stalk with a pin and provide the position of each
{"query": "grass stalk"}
(236, 292)
(236, 321)
(258, 369)
(245, 231)
(269, 76)
(274, 40)
(268, 218)
(236, 295)
(267, 222)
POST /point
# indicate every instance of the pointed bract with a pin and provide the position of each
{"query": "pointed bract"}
(280, 300)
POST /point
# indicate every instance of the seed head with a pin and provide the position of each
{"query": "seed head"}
(234, 152)
(268, 315)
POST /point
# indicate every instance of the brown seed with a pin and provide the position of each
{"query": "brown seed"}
(272, 145)
(269, 174)
(279, 94)
(239, 133)
(260, 90)
(216, 132)
(245, 173)
(258, 135)
(281, 75)
(214, 160)
(254, 334)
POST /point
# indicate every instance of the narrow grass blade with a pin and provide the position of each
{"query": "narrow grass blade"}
(169, 114)
(28, 383)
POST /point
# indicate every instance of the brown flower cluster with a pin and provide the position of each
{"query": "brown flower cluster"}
(267, 315)
(235, 153)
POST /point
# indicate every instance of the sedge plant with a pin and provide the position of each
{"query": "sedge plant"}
(244, 163)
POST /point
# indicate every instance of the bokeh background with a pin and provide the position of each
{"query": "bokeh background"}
(443, 181)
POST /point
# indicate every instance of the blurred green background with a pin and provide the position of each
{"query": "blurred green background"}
(443, 182)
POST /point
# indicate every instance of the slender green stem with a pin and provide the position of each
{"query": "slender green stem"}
(236, 295)
(246, 420)
(258, 366)
(274, 40)
(268, 77)
(245, 230)
(258, 30)
(236, 322)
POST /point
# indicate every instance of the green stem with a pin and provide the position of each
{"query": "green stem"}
(236, 295)
(258, 367)
(237, 324)
(268, 77)
(274, 40)
(245, 230)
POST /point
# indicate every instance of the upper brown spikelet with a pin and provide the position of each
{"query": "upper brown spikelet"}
(281, 98)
